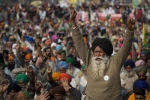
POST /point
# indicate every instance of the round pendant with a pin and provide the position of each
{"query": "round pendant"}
(106, 77)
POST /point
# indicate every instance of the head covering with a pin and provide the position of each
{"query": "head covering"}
(129, 63)
(27, 50)
(104, 44)
(64, 75)
(53, 44)
(11, 37)
(13, 86)
(142, 69)
(43, 39)
(6, 38)
(58, 47)
(22, 77)
(10, 58)
(48, 42)
(59, 90)
(23, 45)
(62, 51)
(30, 40)
(55, 75)
(141, 84)
(28, 56)
(54, 38)
(63, 64)
(70, 60)
(139, 63)
(34, 69)
(39, 60)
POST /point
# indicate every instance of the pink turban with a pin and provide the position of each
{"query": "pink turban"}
(54, 38)
(39, 60)
(48, 42)
(139, 63)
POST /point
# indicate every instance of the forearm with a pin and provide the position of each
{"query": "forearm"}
(139, 45)
(81, 47)
(126, 48)
(18, 70)
(134, 54)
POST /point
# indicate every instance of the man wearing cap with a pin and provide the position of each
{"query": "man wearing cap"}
(103, 71)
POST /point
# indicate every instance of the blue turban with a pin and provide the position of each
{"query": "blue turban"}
(58, 47)
(6, 38)
(141, 84)
(30, 39)
(129, 63)
(63, 64)
(26, 37)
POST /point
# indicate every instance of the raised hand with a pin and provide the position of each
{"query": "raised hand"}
(49, 70)
(131, 24)
(3, 86)
(38, 86)
(65, 84)
(73, 15)
(43, 96)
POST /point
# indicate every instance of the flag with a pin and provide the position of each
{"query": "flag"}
(144, 34)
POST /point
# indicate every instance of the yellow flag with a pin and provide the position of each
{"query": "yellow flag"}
(144, 35)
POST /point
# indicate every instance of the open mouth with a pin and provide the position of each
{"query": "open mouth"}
(98, 59)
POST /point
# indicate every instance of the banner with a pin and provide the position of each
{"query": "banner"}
(85, 16)
(78, 17)
(103, 16)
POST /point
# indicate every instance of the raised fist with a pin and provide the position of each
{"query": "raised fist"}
(49, 70)
(73, 15)
(131, 24)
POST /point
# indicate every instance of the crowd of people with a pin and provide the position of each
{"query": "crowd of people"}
(52, 52)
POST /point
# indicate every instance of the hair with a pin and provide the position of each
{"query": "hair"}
(47, 48)
(139, 91)
(147, 59)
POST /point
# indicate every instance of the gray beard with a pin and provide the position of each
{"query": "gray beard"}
(70, 71)
(99, 67)
(24, 89)
(42, 70)
(130, 74)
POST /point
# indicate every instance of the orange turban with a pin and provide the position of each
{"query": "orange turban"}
(10, 58)
(28, 56)
(55, 75)
(64, 75)
(85, 39)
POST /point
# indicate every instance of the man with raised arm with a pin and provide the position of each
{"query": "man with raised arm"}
(103, 71)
